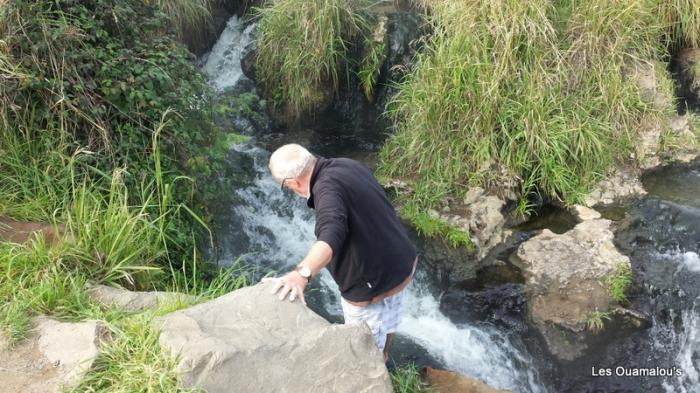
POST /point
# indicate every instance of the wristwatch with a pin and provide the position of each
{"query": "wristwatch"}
(304, 271)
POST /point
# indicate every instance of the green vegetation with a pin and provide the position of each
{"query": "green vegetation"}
(302, 50)
(534, 91)
(102, 114)
(619, 281)
(407, 379)
(371, 63)
(132, 362)
(430, 226)
(596, 321)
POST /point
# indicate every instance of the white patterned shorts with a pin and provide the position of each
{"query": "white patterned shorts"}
(382, 318)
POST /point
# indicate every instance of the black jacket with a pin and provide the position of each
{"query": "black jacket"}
(371, 250)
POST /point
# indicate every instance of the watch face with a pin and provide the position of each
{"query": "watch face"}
(305, 271)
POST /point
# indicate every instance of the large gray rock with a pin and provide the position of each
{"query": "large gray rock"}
(621, 183)
(249, 341)
(52, 359)
(133, 300)
(564, 275)
(479, 214)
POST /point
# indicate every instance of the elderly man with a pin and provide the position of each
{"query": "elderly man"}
(359, 239)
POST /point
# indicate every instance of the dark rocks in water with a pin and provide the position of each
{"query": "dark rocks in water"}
(502, 305)
(250, 52)
(686, 68)
(404, 33)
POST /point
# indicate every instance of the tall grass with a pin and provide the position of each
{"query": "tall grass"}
(302, 49)
(534, 91)
(35, 180)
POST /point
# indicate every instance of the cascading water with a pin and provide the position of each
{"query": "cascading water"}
(274, 229)
(223, 63)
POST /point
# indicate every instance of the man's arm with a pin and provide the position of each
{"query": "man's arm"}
(292, 283)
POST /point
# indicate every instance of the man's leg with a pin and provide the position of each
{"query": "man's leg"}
(387, 345)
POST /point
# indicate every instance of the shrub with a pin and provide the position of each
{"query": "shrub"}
(302, 50)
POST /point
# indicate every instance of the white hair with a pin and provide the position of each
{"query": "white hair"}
(289, 162)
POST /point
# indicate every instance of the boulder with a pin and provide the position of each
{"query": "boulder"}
(53, 359)
(249, 341)
(621, 183)
(135, 301)
(451, 382)
(563, 277)
(481, 215)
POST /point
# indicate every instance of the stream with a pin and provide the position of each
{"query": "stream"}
(272, 230)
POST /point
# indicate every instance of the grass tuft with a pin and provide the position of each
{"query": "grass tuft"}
(407, 379)
(619, 282)
(302, 50)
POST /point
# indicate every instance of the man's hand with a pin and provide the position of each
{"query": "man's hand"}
(291, 284)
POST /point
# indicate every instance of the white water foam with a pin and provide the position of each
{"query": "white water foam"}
(691, 261)
(223, 62)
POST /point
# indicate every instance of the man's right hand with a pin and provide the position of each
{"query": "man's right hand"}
(292, 284)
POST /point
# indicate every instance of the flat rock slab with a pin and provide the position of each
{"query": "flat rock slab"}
(134, 301)
(451, 382)
(249, 341)
(52, 359)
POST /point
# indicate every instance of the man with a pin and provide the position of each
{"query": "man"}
(359, 239)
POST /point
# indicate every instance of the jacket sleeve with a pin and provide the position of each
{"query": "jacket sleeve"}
(331, 219)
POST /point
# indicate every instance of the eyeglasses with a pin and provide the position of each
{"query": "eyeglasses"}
(284, 181)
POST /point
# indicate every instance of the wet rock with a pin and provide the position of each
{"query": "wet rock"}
(503, 305)
(622, 183)
(403, 33)
(249, 341)
(53, 359)
(248, 58)
(480, 214)
(689, 61)
(564, 276)
(135, 301)
(451, 382)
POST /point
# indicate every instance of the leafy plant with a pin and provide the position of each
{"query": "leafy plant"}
(407, 379)
(619, 281)
(596, 321)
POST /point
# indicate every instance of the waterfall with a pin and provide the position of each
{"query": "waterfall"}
(279, 229)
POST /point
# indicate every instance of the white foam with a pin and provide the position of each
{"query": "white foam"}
(691, 261)
(223, 62)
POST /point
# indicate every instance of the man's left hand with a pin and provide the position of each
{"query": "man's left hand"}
(291, 284)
